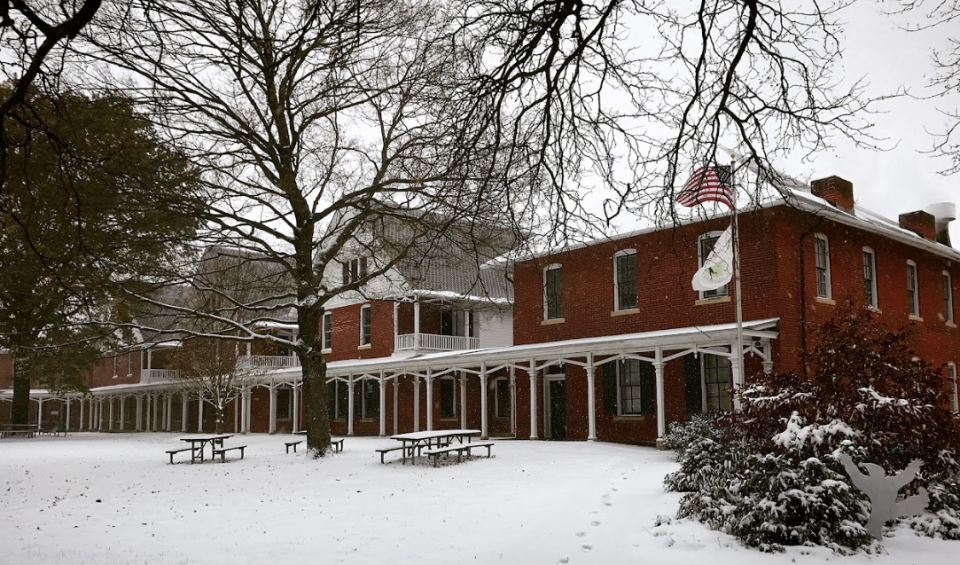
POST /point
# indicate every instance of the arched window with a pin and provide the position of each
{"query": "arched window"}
(625, 280)
(553, 292)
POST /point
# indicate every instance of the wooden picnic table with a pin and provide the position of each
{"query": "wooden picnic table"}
(414, 442)
(213, 440)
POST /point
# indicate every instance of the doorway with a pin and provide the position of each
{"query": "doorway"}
(556, 408)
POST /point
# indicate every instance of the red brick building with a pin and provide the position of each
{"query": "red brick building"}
(602, 341)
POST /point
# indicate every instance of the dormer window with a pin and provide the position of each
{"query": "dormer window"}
(354, 270)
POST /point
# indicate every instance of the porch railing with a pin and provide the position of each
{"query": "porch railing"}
(434, 342)
(153, 375)
(269, 361)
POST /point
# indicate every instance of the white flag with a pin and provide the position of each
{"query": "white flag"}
(717, 270)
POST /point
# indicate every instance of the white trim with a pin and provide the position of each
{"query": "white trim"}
(325, 346)
(913, 306)
(819, 237)
(616, 281)
(548, 268)
(873, 282)
(547, 414)
(721, 292)
(370, 340)
(955, 393)
(948, 316)
(496, 399)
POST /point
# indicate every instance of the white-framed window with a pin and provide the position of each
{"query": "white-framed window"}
(354, 269)
(327, 331)
(284, 403)
(954, 392)
(625, 280)
(822, 260)
(629, 387)
(947, 297)
(913, 297)
(130, 364)
(116, 363)
(705, 245)
(501, 397)
(365, 323)
(870, 277)
(448, 397)
(337, 399)
(366, 399)
(553, 292)
(717, 378)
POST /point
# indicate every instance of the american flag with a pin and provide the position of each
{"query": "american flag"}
(705, 185)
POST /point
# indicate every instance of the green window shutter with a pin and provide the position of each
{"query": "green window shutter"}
(691, 381)
(648, 388)
(609, 379)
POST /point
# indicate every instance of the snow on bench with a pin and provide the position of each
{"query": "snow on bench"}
(384, 450)
(459, 448)
(222, 452)
(173, 452)
(292, 444)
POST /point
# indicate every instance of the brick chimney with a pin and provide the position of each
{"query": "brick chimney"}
(835, 190)
(920, 223)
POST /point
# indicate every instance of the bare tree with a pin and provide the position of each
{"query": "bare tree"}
(314, 122)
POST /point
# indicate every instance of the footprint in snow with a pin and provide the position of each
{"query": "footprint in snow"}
(595, 523)
(581, 534)
(564, 560)
(587, 547)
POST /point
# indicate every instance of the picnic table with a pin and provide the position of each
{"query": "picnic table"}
(413, 443)
(197, 443)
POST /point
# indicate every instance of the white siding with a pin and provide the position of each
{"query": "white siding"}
(496, 327)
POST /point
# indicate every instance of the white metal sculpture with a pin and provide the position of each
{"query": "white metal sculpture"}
(883, 490)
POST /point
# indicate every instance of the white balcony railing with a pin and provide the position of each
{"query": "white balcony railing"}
(154, 375)
(434, 342)
(269, 361)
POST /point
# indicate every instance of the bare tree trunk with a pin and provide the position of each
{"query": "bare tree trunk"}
(314, 383)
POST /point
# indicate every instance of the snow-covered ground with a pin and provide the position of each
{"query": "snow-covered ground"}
(114, 499)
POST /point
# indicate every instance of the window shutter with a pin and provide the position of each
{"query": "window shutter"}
(609, 378)
(648, 388)
(363, 267)
(691, 382)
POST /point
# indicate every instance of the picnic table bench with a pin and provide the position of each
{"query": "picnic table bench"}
(222, 452)
(173, 452)
(413, 444)
(460, 448)
(335, 443)
(25, 430)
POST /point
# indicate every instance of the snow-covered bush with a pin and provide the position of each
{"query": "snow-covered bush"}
(769, 474)
(681, 434)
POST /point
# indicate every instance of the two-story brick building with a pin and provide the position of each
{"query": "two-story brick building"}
(605, 340)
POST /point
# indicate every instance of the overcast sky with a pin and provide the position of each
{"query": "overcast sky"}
(902, 179)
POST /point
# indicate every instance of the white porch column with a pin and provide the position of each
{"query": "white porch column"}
(296, 405)
(244, 402)
(200, 414)
(768, 356)
(396, 403)
(80, 426)
(66, 407)
(100, 414)
(416, 403)
(429, 400)
(736, 373)
(272, 428)
(416, 326)
(39, 413)
(661, 408)
(123, 400)
(147, 421)
(483, 401)
(513, 401)
(350, 405)
(533, 398)
(90, 411)
(396, 323)
(591, 399)
(383, 406)
(139, 411)
(463, 401)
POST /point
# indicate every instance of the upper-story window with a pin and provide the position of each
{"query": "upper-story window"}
(448, 397)
(354, 270)
(116, 362)
(625, 279)
(913, 297)
(822, 253)
(705, 245)
(553, 292)
(947, 297)
(954, 394)
(130, 364)
(869, 277)
(365, 323)
(327, 331)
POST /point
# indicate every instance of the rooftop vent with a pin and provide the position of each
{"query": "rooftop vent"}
(943, 213)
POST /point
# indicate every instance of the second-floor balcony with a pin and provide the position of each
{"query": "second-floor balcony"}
(156, 375)
(434, 342)
(269, 362)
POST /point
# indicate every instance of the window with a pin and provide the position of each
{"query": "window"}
(501, 397)
(284, 402)
(704, 247)
(354, 270)
(954, 399)
(913, 299)
(717, 376)
(366, 399)
(947, 297)
(822, 254)
(327, 330)
(625, 279)
(553, 292)
(448, 397)
(337, 401)
(116, 362)
(365, 325)
(636, 388)
(869, 277)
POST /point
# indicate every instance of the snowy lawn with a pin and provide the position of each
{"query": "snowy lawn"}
(114, 499)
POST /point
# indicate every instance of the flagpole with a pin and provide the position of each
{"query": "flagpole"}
(738, 382)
